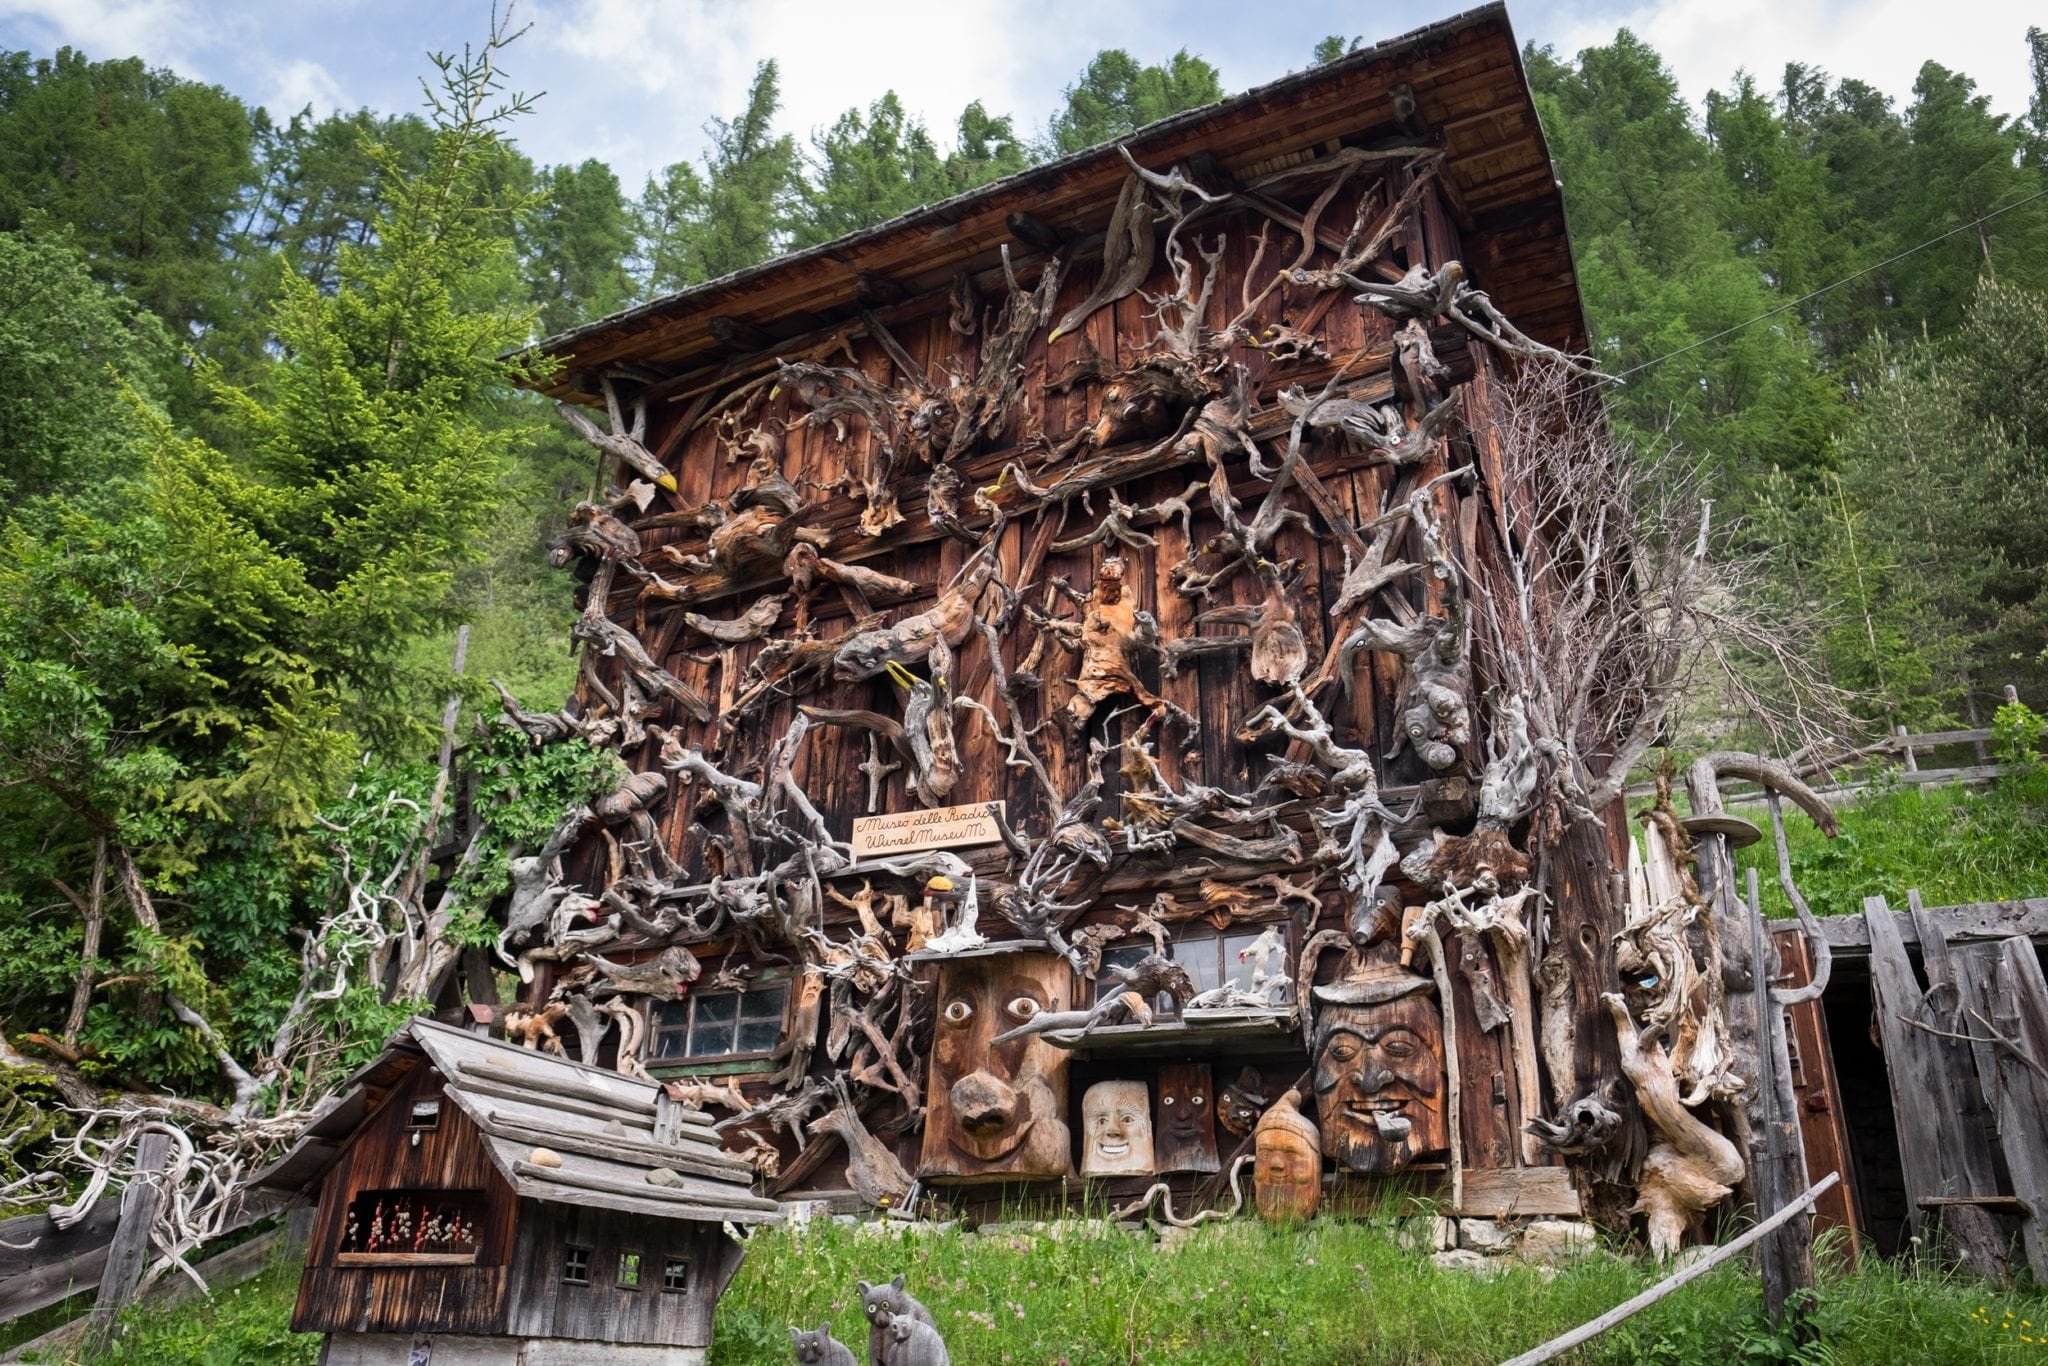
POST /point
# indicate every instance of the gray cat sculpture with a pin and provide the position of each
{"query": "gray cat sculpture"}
(884, 1305)
(819, 1348)
(912, 1343)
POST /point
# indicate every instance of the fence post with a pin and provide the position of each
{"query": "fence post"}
(139, 1203)
(1912, 761)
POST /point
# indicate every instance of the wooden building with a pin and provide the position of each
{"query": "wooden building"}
(1041, 629)
(480, 1203)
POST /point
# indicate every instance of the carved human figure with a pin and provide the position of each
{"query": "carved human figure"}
(997, 1111)
(1116, 1129)
(1184, 1132)
(1379, 1070)
(1287, 1163)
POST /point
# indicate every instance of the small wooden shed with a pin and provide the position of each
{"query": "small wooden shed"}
(485, 1204)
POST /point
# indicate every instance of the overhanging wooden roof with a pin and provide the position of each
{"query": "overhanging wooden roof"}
(1470, 92)
(608, 1131)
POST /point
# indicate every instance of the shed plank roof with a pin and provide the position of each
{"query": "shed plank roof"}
(503, 1087)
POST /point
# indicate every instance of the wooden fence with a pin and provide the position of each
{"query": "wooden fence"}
(1967, 1054)
(1907, 749)
(41, 1264)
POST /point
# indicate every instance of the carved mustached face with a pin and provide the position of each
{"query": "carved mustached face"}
(1379, 1083)
(996, 1108)
(1117, 1129)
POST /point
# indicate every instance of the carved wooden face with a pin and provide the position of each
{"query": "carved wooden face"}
(997, 1111)
(1116, 1129)
(1184, 1130)
(1239, 1104)
(1379, 1082)
(1287, 1165)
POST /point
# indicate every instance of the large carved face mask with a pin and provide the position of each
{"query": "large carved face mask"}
(997, 1111)
(1116, 1125)
(1379, 1081)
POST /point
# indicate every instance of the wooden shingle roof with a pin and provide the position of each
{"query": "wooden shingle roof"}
(1470, 94)
(610, 1130)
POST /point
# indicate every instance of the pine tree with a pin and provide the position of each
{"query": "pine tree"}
(1964, 164)
(868, 167)
(146, 169)
(67, 343)
(1117, 94)
(695, 227)
(1662, 274)
(576, 242)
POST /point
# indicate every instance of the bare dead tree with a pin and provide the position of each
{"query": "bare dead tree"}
(1620, 597)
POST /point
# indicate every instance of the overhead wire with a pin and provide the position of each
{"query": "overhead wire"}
(1846, 279)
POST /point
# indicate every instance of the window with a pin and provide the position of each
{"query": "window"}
(721, 1024)
(576, 1266)
(675, 1274)
(426, 1114)
(629, 1271)
(1210, 959)
(421, 1226)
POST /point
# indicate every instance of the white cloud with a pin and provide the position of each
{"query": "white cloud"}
(301, 83)
(635, 83)
(1882, 42)
(103, 27)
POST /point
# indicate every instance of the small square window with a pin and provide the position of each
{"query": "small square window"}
(426, 1114)
(675, 1274)
(629, 1271)
(721, 1024)
(576, 1266)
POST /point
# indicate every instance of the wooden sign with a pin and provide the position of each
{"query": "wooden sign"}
(941, 827)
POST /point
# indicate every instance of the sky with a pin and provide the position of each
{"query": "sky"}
(632, 82)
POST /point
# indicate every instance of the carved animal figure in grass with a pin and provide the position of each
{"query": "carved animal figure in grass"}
(883, 1305)
(819, 1348)
(915, 1344)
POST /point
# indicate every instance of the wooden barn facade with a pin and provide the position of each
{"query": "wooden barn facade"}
(1040, 629)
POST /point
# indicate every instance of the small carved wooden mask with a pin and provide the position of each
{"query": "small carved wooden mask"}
(1379, 1081)
(1184, 1131)
(1238, 1107)
(1287, 1163)
(997, 1111)
(1116, 1123)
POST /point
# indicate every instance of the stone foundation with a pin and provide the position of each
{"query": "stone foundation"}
(448, 1349)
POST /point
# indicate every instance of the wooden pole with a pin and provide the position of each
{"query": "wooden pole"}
(1627, 1309)
(1777, 1148)
(123, 1274)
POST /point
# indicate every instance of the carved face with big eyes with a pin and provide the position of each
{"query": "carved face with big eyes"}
(1184, 1124)
(989, 1115)
(1379, 1083)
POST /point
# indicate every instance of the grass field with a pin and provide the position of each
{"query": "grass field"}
(1327, 1293)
